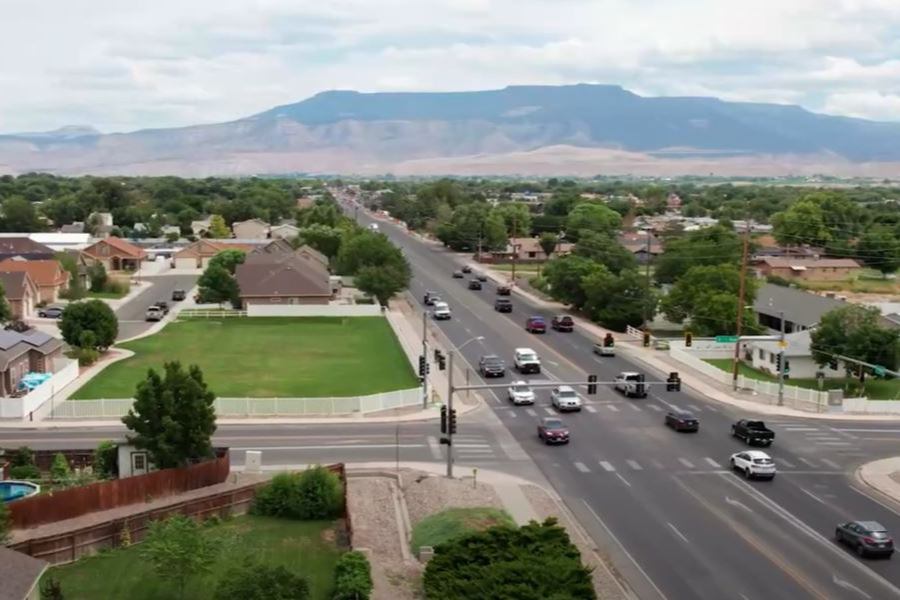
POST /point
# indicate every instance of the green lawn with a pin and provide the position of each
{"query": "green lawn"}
(520, 268)
(876, 389)
(305, 547)
(108, 295)
(269, 357)
(451, 523)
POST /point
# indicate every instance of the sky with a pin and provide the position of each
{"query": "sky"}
(122, 65)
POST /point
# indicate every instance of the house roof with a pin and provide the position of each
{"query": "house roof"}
(19, 573)
(76, 227)
(526, 245)
(305, 255)
(277, 246)
(43, 272)
(14, 283)
(798, 344)
(803, 264)
(12, 246)
(256, 221)
(285, 226)
(289, 276)
(210, 248)
(798, 306)
(117, 244)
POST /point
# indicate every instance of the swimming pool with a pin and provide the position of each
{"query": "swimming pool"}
(13, 490)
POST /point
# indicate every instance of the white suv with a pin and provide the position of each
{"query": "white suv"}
(631, 384)
(527, 361)
(564, 398)
(441, 311)
(520, 392)
(754, 464)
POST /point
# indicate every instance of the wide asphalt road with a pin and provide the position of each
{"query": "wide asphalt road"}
(157, 288)
(681, 525)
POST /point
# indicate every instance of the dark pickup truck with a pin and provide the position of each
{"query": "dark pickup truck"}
(753, 432)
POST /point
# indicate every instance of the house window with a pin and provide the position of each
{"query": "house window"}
(275, 300)
(772, 357)
(762, 354)
(139, 461)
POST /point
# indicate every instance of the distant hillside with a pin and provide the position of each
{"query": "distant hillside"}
(351, 132)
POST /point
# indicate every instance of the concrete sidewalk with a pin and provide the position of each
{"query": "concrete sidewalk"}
(883, 476)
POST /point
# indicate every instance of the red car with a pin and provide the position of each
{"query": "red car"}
(562, 323)
(536, 325)
(553, 431)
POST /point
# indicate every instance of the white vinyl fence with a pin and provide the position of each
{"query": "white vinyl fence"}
(33, 401)
(313, 310)
(256, 407)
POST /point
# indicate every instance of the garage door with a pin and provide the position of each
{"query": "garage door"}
(185, 263)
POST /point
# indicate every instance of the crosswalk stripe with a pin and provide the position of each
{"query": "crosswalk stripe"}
(786, 463)
(830, 463)
(686, 463)
(457, 445)
(713, 463)
(807, 462)
(635, 407)
(634, 465)
(434, 446)
(712, 409)
(549, 410)
(655, 407)
(513, 414)
(531, 412)
(612, 407)
(590, 408)
(606, 466)
(582, 467)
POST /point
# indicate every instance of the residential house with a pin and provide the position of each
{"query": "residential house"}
(200, 228)
(800, 310)
(280, 279)
(251, 229)
(637, 244)
(49, 276)
(22, 353)
(114, 254)
(285, 231)
(21, 293)
(275, 246)
(74, 227)
(25, 248)
(197, 255)
(57, 242)
(20, 575)
(807, 269)
(168, 230)
(766, 246)
(799, 363)
(527, 250)
(280, 250)
(673, 202)
(305, 202)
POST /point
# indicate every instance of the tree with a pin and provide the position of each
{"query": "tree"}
(51, 589)
(228, 260)
(465, 228)
(217, 286)
(60, 472)
(261, 582)
(383, 282)
(218, 229)
(548, 243)
(879, 248)
(75, 289)
(19, 216)
(173, 416)
(698, 283)
(710, 246)
(802, 223)
(91, 315)
(618, 300)
(516, 218)
(493, 232)
(606, 250)
(716, 314)
(855, 331)
(592, 216)
(323, 238)
(566, 276)
(367, 248)
(98, 277)
(178, 549)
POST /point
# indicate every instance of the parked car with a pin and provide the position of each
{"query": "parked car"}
(481, 277)
(430, 298)
(504, 290)
(753, 432)
(474, 284)
(631, 384)
(491, 366)
(754, 464)
(467, 269)
(865, 537)
(51, 312)
(682, 421)
(519, 392)
(527, 361)
(154, 313)
(503, 305)
(536, 325)
(564, 398)
(602, 350)
(553, 431)
(441, 311)
(178, 295)
(562, 323)
(458, 275)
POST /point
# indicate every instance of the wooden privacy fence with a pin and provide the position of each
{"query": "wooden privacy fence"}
(105, 495)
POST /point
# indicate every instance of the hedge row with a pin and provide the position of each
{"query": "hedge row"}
(352, 577)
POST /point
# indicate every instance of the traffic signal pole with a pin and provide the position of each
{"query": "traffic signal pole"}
(425, 354)
(781, 361)
(450, 354)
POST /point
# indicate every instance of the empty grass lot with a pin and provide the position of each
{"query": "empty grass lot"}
(454, 522)
(305, 547)
(268, 357)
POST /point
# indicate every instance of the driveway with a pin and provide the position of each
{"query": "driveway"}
(131, 314)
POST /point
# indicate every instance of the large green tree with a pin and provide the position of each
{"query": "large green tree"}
(856, 331)
(228, 260)
(20, 216)
(218, 229)
(802, 223)
(592, 216)
(618, 300)
(879, 248)
(367, 249)
(217, 286)
(493, 233)
(384, 281)
(548, 243)
(323, 238)
(710, 246)
(516, 217)
(606, 250)
(700, 282)
(566, 277)
(179, 549)
(173, 416)
(94, 316)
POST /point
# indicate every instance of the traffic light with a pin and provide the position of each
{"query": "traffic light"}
(778, 363)
(422, 365)
(673, 382)
(646, 339)
(592, 385)
(609, 341)
(453, 422)
(688, 339)
(443, 419)
(437, 355)
(640, 388)
(833, 363)
(442, 362)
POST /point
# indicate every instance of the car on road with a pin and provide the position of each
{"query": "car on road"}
(154, 313)
(51, 312)
(867, 538)
(491, 366)
(441, 311)
(474, 284)
(562, 323)
(178, 295)
(603, 350)
(458, 275)
(535, 325)
(519, 392)
(682, 421)
(503, 305)
(754, 464)
(564, 399)
(373, 227)
(526, 361)
(753, 432)
(430, 298)
(481, 277)
(553, 431)
(163, 306)
(504, 290)
(631, 384)
(467, 269)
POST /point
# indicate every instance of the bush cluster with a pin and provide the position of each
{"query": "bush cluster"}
(352, 577)
(314, 494)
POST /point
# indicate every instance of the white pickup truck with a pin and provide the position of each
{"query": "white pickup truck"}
(441, 311)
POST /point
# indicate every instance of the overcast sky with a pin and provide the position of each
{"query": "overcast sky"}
(121, 65)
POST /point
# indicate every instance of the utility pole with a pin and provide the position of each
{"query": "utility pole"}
(515, 251)
(450, 354)
(740, 307)
(647, 284)
(781, 364)
(425, 354)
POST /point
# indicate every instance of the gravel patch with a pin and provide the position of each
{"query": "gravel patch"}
(426, 495)
(604, 575)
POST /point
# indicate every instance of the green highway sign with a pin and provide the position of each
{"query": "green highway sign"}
(879, 370)
(726, 339)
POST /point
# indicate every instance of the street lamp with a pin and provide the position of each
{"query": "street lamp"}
(450, 354)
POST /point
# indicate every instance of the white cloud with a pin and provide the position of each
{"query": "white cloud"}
(121, 65)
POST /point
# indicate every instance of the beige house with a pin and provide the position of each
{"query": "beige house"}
(49, 276)
(283, 279)
(114, 254)
(21, 293)
(284, 231)
(198, 254)
(807, 269)
(526, 250)
(252, 229)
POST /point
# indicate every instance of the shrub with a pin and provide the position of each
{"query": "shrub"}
(60, 472)
(106, 460)
(352, 577)
(22, 456)
(98, 277)
(4, 524)
(25, 472)
(18, 326)
(261, 582)
(314, 494)
(51, 589)
(85, 356)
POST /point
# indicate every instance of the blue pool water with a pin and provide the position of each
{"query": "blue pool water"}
(13, 490)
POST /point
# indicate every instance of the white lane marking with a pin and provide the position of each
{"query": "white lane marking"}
(332, 447)
(786, 463)
(549, 410)
(807, 462)
(531, 412)
(471, 445)
(625, 550)
(582, 467)
(867, 430)
(635, 407)
(591, 409)
(713, 463)
(733, 502)
(513, 414)
(606, 466)
(657, 464)
(834, 443)
(712, 409)
(694, 407)
(678, 533)
(794, 428)
(811, 495)
(655, 407)
(435, 447)
(848, 586)
(634, 465)
(612, 407)
(830, 463)
(686, 463)
(625, 481)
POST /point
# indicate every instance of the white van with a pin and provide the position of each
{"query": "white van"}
(527, 361)
(441, 311)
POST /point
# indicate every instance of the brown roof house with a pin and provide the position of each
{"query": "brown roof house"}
(198, 254)
(528, 250)
(22, 353)
(283, 279)
(20, 575)
(281, 248)
(114, 254)
(251, 229)
(22, 293)
(636, 243)
(808, 269)
(23, 247)
(49, 275)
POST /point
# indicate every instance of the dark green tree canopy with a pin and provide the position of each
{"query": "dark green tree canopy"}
(592, 216)
(606, 250)
(258, 581)
(566, 276)
(879, 248)
(710, 246)
(217, 286)
(95, 316)
(228, 260)
(856, 331)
